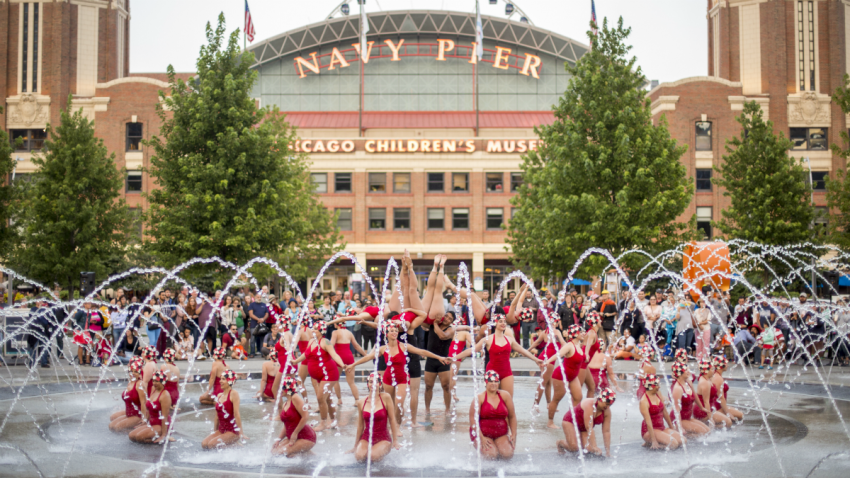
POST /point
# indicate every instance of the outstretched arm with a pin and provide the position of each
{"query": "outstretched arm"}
(516, 347)
(468, 352)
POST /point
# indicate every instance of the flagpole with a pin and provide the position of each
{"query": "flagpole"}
(362, 52)
(475, 70)
(244, 33)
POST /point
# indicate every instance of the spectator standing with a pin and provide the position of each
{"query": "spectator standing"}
(608, 311)
(258, 312)
(38, 338)
(206, 321)
(328, 313)
(153, 321)
(119, 319)
(685, 324)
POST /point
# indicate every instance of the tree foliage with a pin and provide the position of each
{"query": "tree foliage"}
(604, 175)
(72, 218)
(838, 186)
(770, 197)
(230, 185)
(7, 194)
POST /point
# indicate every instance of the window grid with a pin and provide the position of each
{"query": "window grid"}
(800, 47)
(811, 46)
(320, 182)
(134, 181)
(494, 182)
(703, 180)
(377, 182)
(436, 182)
(401, 219)
(704, 220)
(401, 182)
(35, 47)
(436, 218)
(516, 181)
(343, 220)
(33, 139)
(494, 218)
(460, 182)
(460, 219)
(703, 136)
(134, 136)
(25, 48)
(377, 218)
(342, 182)
(819, 180)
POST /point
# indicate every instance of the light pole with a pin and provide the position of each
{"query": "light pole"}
(15, 167)
(812, 224)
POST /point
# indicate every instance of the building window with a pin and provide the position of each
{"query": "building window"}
(34, 47)
(516, 181)
(320, 182)
(401, 182)
(819, 180)
(704, 221)
(436, 218)
(703, 180)
(401, 219)
(134, 136)
(703, 136)
(494, 218)
(821, 220)
(343, 219)
(377, 182)
(809, 139)
(494, 182)
(377, 218)
(436, 182)
(460, 218)
(342, 182)
(806, 58)
(460, 182)
(134, 181)
(33, 139)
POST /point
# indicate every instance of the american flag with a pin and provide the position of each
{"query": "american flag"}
(249, 24)
(592, 16)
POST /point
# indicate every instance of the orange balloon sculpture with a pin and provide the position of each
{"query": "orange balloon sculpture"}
(706, 263)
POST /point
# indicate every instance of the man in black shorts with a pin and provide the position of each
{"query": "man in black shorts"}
(439, 340)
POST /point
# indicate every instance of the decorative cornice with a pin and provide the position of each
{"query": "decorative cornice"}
(695, 79)
(132, 79)
(736, 103)
(90, 105)
(664, 103)
(809, 109)
(27, 111)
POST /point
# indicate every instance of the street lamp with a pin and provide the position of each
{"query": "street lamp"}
(15, 167)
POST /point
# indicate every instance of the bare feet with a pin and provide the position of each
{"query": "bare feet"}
(321, 426)
(551, 424)
(443, 259)
(437, 261)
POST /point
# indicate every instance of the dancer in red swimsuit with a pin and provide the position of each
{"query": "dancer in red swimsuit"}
(549, 345)
(283, 348)
(646, 367)
(683, 397)
(601, 368)
(499, 346)
(271, 369)
(497, 425)
(592, 345)
(218, 366)
(376, 413)
(134, 396)
(342, 340)
(721, 363)
(156, 412)
(463, 338)
(228, 421)
(323, 364)
(571, 359)
(172, 386)
(682, 355)
(149, 355)
(395, 379)
(297, 437)
(706, 404)
(584, 417)
(654, 432)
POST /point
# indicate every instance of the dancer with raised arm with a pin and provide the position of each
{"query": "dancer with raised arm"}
(585, 416)
(297, 436)
(550, 345)
(342, 340)
(440, 340)
(214, 388)
(134, 397)
(157, 412)
(373, 421)
(572, 358)
(652, 407)
(323, 364)
(497, 425)
(601, 368)
(592, 345)
(228, 421)
(683, 397)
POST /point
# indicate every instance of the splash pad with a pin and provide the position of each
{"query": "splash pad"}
(54, 423)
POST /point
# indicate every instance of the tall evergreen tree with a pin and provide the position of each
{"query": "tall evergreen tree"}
(770, 195)
(72, 216)
(230, 184)
(604, 175)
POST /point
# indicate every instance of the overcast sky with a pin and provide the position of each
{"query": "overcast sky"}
(669, 36)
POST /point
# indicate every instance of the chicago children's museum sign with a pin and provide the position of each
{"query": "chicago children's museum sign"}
(440, 146)
(500, 57)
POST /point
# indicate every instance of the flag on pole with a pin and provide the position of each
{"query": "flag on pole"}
(364, 29)
(249, 24)
(479, 33)
(593, 17)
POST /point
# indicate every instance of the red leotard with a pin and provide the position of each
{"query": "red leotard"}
(408, 317)
(226, 418)
(492, 421)
(321, 366)
(155, 411)
(291, 418)
(656, 414)
(380, 432)
(283, 357)
(395, 374)
(600, 377)
(456, 348)
(712, 397)
(686, 404)
(568, 417)
(725, 390)
(500, 358)
(571, 364)
(344, 352)
(132, 406)
(590, 353)
(372, 310)
(550, 350)
(173, 390)
(269, 390)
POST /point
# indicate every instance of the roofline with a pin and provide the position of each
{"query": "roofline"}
(336, 30)
(694, 79)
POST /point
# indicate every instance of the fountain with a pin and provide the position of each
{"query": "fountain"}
(54, 422)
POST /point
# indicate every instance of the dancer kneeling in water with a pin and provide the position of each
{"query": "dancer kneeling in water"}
(214, 388)
(653, 431)
(372, 423)
(707, 404)
(497, 425)
(297, 437)
(683, 397)
(157, 412)
(269, 378)
(584, 417)
(133, 397)
(228, 421)
(721, 363)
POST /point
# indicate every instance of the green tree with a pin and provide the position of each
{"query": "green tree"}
(837, 185)
(230, 184)
(7, 193)
(72, 217)
(770, 196)
(604, 175)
